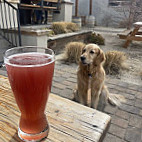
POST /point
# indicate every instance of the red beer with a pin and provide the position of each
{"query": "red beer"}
(30, 76)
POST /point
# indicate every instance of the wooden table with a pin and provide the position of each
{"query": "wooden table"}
(69, 121)
(129, 35)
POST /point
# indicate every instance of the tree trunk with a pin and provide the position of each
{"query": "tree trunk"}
(133, 8)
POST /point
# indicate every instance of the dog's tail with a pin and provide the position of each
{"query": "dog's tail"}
(113, 99)
(109, 99)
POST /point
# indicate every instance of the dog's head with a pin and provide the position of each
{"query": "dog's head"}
(92, 54)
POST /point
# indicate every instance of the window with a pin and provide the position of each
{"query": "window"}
(119, 2)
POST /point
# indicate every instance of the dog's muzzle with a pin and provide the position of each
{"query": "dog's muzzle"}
(82, 58)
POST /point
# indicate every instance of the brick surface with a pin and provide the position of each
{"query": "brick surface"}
(55, 90)
(67, 75)
(129, 102)
(59, 79)
(128, 96)
(133, 87)
(58, 85)
(67, 93)
(117, 131)
(130, 91)
(119, 122)
(72, 80)
(135, 121)
(138, 103)
(133, 135)
(123, 84)
(69, 84)
(139, 95)
(140, 113)
(58, 72)
(130, 109)
(123, 114)
(110, 109)
(111, 138)
(140, 89)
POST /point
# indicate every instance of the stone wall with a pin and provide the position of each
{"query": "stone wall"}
(58, 43)
(105, 15)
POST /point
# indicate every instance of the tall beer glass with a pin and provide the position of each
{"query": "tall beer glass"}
(30, 71)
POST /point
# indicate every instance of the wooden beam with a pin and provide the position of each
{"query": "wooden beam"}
(129, 40)
(76, 8)
(90, 9)
(136, 38)
(28, 6)
(54, 1)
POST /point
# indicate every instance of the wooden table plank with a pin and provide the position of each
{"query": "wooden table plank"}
(138, 24)
(30, 6)
(69, 121)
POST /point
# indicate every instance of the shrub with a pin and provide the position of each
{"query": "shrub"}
(64, 27)
(114, 62)
(73, 51)
(96, 38)
(72, 27)
(59, 27)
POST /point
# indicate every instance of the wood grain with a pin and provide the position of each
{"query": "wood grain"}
(29, 6)
(69, 121)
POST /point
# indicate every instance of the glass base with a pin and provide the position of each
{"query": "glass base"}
(33, 137)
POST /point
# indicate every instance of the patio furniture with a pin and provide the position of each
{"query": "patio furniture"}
(27, 8)
(69, 121)
(40, 7)
(130, 35)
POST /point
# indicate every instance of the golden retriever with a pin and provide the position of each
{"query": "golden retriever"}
(91, 77)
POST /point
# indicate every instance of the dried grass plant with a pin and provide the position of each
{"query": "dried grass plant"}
(59, 27)
(64, 27)
(115, 61)
(96, 38)
(71, 27)
(73, 51)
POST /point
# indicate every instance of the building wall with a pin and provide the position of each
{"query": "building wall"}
(105, 15)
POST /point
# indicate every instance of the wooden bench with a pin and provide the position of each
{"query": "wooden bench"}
(40, 7)
(133, 34)
(69, 121)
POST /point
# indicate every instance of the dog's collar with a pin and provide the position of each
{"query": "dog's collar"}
(90, 75)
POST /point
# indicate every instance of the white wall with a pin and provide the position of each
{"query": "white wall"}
(30, 40)
(65, 12)
(104, 14)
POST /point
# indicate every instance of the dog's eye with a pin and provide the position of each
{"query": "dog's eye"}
(92, 52)
(83, 50)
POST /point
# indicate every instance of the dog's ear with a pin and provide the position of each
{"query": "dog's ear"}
(100, 57)
(82, 50)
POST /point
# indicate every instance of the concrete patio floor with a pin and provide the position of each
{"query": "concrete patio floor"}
(126, 124)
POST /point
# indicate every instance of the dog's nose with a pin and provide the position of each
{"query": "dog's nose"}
(82, 58)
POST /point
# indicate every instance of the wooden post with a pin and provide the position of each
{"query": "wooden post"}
(76, 8)
(90, 8)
